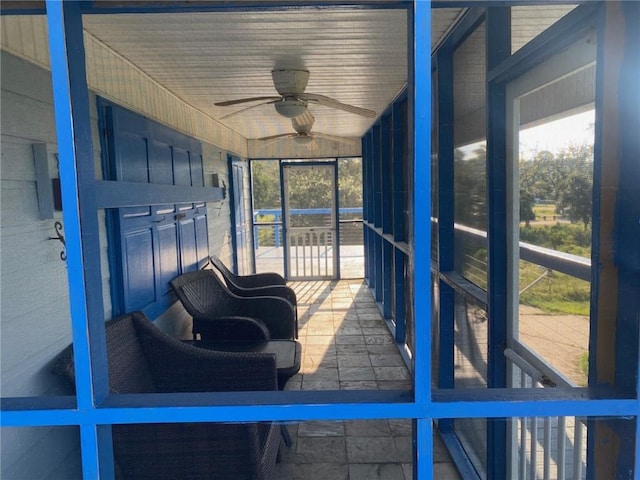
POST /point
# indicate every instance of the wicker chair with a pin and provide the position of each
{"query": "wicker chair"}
(257, 280)
(143, 359)
(218, 313)
(257, 285)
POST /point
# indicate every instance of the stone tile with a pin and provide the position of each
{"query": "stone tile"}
(351, 349)
(440, 452)
(359, 385)
(404, 448)
(317, 349)
(349, 330)
(378, 340)
(407, 469)
(378, 360)
(380, 330)
(349, 361)
(394, 385)
(314, 362)
(320, 385)
(389, 349)
(369, 315)
(376, 323)
(326, 329)
(320, 471)
(319, 340)
(371, 450)
(445, 471)
(400, 426)
(294, 383)
(341, 304)
(376, 471)
(390, 373)
(367, 306)
(321, 429)
(321, 450)
(350, 340)
(321, 374)
(367, 428)
(356, 373)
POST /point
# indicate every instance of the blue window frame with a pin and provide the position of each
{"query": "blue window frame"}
(95, 409)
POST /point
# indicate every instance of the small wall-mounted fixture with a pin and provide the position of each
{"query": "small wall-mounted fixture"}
(215, 183)
(60, 237)
(215, 180)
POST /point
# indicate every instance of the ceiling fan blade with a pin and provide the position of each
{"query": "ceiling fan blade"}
(281, 135)
(247, 108)
(333, 138)
(228, 103)
(330, 102)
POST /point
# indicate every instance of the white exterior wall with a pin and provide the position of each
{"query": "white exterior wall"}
(34, 308)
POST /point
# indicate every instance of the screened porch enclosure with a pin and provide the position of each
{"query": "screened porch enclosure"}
(458, 222)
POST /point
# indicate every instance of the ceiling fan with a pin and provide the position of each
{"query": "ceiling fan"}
(302, 125)
(292, 100)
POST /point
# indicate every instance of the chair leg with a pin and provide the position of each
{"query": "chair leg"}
(286, 437)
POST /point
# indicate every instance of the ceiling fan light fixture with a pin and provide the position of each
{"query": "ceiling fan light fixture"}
(290, 82)
(291, 108)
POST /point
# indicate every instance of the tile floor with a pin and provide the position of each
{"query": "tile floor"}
(346, 345)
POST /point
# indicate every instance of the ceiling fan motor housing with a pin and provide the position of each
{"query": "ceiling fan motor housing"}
(290, 108)
(290, 82)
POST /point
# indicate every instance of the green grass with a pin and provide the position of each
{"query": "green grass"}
(583, 365)
(544, 209)
(556, 293)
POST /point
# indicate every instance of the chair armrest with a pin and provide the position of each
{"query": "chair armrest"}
(281, 291)
(232, 329)
(179, 367)
(277, 313)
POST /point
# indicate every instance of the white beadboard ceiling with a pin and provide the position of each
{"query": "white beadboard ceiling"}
(356, 56)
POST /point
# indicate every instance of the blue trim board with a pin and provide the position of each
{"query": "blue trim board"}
(423, 455)
(420, 137)
(330, 404)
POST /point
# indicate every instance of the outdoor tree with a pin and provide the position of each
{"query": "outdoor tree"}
(526, 207)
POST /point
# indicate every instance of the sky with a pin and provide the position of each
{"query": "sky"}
(557, 135)
(552, 136)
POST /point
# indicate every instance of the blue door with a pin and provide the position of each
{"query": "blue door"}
(152, 244)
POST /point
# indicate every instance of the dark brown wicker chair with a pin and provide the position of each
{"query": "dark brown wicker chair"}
(256, 285)
(257, 280)
(143, 359)
(215, 310)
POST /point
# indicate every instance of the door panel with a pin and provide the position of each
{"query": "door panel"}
(139, 267)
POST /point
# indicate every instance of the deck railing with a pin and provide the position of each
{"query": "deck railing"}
(549, 447)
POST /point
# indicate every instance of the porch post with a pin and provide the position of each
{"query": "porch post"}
(77, 177)
(419, 126)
